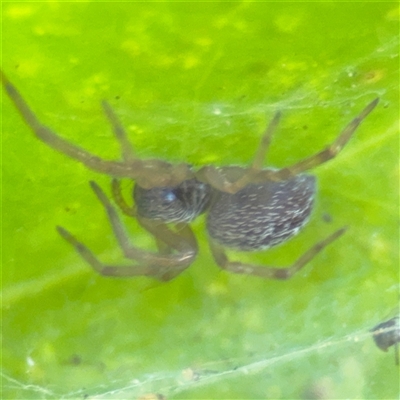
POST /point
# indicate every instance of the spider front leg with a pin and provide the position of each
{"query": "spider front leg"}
(116, 190)
(49, 137)
(127, 152)
(217, 177)
(268, 271)
(149, 173)
(160, 266)
(323, 156)
(183, 241)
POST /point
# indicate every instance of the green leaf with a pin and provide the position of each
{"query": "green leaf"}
(197, 82)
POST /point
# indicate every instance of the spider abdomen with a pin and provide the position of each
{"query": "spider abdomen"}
(262, 215)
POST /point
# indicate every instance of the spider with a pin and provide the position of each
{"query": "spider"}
(247, 208)
(387, 334)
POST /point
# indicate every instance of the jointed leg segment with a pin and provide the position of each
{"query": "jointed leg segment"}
(158, 265)
(149, 173)
(272, 272)
(327, 154)
(255, 174)
(49, 137)
(120, 201)
(127, 152)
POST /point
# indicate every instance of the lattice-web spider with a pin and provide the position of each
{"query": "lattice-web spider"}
(248, 208)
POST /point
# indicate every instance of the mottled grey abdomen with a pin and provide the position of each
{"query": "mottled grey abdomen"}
(261, 215)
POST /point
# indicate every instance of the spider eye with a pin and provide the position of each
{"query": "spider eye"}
(169, 196)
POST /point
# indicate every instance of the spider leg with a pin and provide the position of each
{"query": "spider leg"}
(182, 240)
(216, 178)
(49, 137)
(163, 267)
(149, 173)
(162, 273)
(266, 138)
(184, 243)
(325, 155)
(116, 190)
(254, 174)
(183, 230)
(268, 271)
(130, 211)
(156, 228)
(98, 266)
(126, 146)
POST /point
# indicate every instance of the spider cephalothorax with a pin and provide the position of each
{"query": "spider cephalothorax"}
(180, 203)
